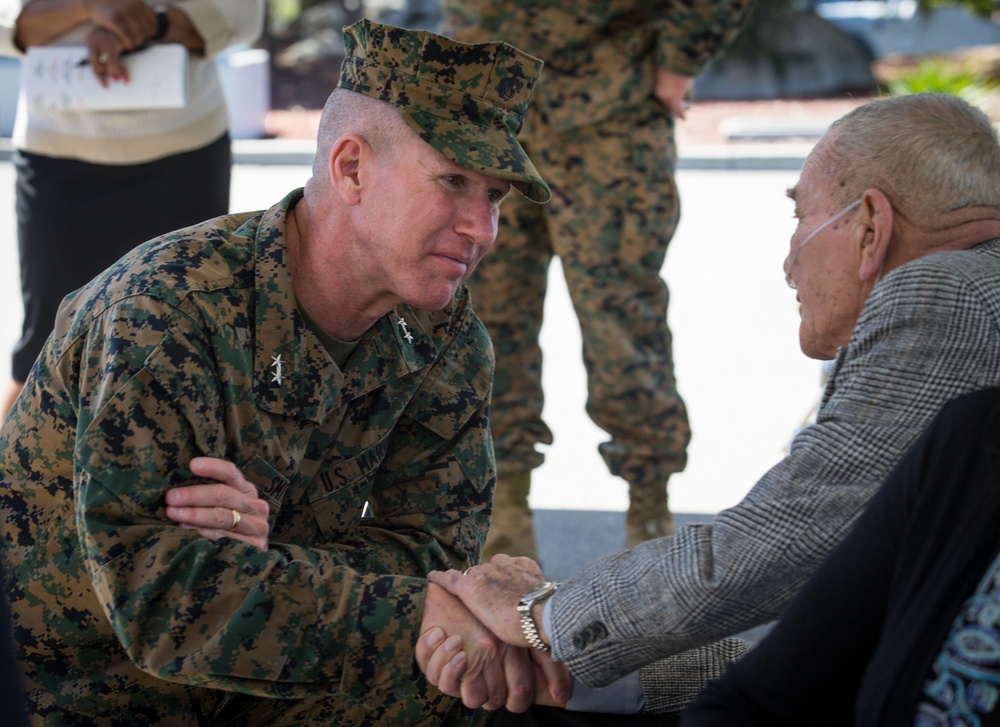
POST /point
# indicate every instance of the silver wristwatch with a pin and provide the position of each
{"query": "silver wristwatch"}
(539, 593)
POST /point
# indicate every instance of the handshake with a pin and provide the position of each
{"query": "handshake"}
(473, 645)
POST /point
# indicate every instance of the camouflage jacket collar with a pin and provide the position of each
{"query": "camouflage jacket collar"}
(293, 373)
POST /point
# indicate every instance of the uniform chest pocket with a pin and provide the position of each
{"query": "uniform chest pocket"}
(340, 491)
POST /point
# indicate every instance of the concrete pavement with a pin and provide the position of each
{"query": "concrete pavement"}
(735, 340)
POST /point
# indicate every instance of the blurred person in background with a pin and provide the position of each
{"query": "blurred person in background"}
(91, 184)
(601, 128)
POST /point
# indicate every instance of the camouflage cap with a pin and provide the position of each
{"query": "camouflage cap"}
(465, 100)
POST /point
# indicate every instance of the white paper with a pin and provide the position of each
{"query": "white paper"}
(54, 80)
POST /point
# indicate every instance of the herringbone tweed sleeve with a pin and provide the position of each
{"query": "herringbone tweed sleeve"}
(670, 684)
(930, 331)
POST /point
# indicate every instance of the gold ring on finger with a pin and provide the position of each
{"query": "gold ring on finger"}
(236, 520)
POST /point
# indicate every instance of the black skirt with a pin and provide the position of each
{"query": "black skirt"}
(74, 219)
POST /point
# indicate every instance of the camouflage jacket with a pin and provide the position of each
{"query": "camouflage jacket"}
(193, 345)
(599, 54)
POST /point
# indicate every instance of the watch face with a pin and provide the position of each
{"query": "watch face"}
(540, 590)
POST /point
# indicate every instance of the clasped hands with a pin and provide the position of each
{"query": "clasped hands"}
(121, 26)
(471, 644)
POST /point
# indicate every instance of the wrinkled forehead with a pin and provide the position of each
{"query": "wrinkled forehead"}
(815, 183)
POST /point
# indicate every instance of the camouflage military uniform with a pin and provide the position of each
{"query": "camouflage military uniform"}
(605, 145)
(193, 345)
(377, 471)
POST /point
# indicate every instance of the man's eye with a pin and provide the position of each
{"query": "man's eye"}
(453, 180)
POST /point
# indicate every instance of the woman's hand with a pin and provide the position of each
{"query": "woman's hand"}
(132, 22)
(104, 53)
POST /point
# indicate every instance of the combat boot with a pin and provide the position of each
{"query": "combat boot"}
(512, 530)
(648, 516)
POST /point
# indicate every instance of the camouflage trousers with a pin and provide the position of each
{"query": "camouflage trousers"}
(613, 211)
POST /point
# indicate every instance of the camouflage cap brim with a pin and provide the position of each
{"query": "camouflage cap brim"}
(481, 149)
(465, 100)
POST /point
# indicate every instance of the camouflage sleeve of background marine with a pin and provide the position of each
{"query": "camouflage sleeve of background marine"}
(290, 622)
(690, 34)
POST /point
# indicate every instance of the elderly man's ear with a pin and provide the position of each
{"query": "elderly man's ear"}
(874, 234)
(345, 164)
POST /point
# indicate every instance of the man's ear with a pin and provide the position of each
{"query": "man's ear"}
(345, 167)
(874, 237)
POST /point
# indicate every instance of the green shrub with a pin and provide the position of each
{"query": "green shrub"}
(937, 75)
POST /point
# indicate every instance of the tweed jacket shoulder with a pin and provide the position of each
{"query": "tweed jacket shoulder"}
(929, 332)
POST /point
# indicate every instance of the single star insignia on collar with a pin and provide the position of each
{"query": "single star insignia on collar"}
(277, 365)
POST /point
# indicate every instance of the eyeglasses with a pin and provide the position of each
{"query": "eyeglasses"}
(790, 260)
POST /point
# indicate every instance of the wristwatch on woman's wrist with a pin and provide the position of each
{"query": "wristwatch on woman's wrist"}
(162, 22)
(542, 592)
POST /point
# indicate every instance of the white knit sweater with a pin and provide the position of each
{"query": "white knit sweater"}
(134, 137)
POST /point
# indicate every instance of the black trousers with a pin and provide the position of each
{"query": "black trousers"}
(868, 634)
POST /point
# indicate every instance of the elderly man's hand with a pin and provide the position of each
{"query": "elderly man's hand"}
(228, 508)
(492, 590)
(485, 672)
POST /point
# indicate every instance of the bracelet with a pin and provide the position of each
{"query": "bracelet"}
(162, 24)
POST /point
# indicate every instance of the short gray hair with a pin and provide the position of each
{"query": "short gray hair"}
(929, 153)
(347, 112)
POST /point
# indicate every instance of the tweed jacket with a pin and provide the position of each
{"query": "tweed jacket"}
(930, 331)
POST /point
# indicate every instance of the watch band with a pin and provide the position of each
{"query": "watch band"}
(162, 24)
(538, 594)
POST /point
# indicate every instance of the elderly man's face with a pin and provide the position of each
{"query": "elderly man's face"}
(824, 271)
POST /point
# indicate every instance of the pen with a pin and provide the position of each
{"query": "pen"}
(86, 61)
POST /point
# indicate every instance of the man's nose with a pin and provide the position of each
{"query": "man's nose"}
(478, 222)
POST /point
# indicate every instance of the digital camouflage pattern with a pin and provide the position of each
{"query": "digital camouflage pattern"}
(467, 101)
(605, 145)
(611, 265)
(599, 55)
(193, 345)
